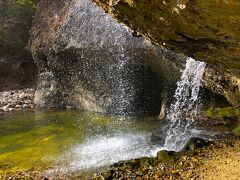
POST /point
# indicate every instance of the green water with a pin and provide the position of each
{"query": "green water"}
(39, 139)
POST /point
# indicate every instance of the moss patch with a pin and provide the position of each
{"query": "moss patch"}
(229, 113)
(237, 130)
(27, 3)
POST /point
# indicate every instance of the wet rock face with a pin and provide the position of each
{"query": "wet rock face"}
(87, 60)
(204, 30)
(15, 60)
(222, 82)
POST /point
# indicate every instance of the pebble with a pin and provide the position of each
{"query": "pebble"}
(22, 95)
(16, 100)
(10, 109)
(5, 108)
(18, 106)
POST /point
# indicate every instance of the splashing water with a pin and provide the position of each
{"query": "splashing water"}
(185, 106)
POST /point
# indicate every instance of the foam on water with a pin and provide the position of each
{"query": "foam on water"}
(106, 150)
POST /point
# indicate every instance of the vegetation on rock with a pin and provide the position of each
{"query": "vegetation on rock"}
(28, 3)
(229, 113)
(237, 130)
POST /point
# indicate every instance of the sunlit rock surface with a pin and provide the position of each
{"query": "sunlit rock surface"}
(88, 60)
(204, 30)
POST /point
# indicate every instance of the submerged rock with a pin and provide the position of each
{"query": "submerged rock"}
(88, 60)
(236, 130)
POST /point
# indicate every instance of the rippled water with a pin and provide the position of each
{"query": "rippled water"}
(70, 141)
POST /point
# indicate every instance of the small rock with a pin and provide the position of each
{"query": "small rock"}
(10, 109)
(18, 110)
(25, 106)
(22, 95)
(5, 108)
(18, 106)
(11, 105)
(194, 143)
(28, 101)
(5, 101)
(163, 156)
(69, 107)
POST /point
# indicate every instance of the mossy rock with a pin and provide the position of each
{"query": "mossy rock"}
(164, 156)
(16, 19)
(229, 113)
(236, 130)
(27, 3)
(145, 161)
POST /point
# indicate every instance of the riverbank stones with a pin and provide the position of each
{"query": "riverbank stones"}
(16, 100)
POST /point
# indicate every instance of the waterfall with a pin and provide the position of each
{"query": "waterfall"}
(184, 106)
(110, 59)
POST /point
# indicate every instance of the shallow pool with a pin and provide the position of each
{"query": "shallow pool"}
(67, 141)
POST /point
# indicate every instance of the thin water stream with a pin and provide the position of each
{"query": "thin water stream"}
(185, 106)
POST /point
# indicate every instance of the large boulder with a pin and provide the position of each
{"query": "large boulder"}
(88, 60)
(16, 63)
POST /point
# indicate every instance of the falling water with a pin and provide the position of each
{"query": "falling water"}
(185, 106)
(107, 55)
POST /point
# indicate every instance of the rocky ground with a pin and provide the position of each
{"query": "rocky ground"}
(221, 163)
(220, 160)
(16, 100)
